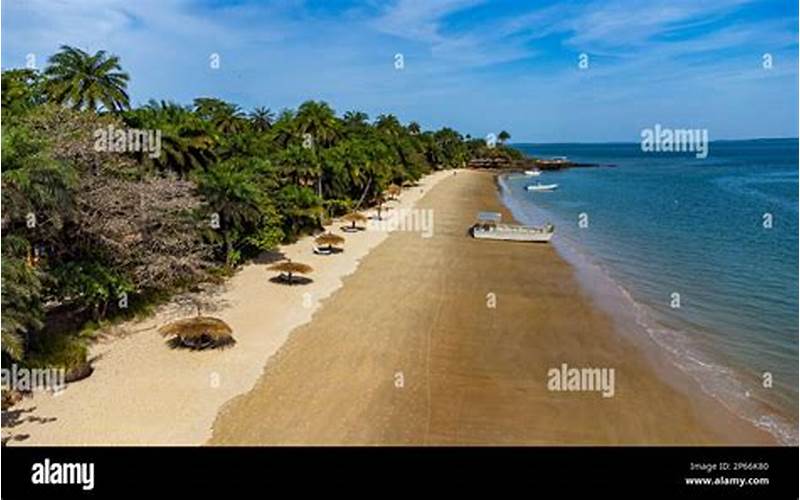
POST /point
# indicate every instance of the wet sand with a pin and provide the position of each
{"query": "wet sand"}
(448, 340)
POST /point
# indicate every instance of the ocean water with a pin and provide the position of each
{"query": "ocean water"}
(656, 225)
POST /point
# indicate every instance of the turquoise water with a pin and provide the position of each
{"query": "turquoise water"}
(665, 224)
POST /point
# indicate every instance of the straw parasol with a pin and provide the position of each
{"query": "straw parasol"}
(291, 268)
(393, 190)
(199, 332)
(355, 217)
(329, 239)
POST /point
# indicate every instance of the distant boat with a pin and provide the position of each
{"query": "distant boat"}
(541, 187)
(533, 173)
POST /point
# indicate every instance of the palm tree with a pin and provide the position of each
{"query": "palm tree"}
(503, 136)
(301, 209)
(389, 124)
(226, 117)
(81, 80)
(34, 182)
(298, 165)
(283, 129)
(209, 108)
(414, 128)
(355, 122)
(450, 146)
(318, 120)
(235, 196)
(187, 143)
(261, 118)
(22, 89)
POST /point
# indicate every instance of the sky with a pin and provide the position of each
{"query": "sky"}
(565, 71)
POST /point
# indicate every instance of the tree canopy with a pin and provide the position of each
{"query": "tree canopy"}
(90, 232)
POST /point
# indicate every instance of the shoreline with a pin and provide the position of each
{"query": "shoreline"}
(617, 301)
(142, 392)
(468, 377)
(327, 373)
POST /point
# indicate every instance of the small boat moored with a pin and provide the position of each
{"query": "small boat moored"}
(489, 227)
(533, 173)
(541, 187)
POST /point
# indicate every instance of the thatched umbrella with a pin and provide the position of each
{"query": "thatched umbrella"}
(329, 239)
(291, 268)
(354, 217)
(393, 190)
(199, 332)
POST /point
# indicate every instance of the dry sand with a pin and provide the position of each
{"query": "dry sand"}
(142, 392)
(414, 312)
(409, 352)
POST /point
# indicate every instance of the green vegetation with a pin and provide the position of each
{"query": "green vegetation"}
(90, 232)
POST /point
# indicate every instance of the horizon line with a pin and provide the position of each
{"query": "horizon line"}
(753, 139)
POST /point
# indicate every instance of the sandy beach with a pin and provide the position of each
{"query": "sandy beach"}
(448, 340)
(414, 340)
(143, 393)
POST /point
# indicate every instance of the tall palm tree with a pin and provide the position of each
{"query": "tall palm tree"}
(226, 117)
(356, 121)
(209, 108)
(318, 120)
(283, 129)
(187, 143)
(233, 193)
(298, 165)
(84, 81)
(261, 118)
(450, 145)
(389, 125)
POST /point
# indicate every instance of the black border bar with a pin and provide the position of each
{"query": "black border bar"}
(533, 471)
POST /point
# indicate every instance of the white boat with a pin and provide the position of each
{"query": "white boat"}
(489, 227)
(541, 187)
(533, 173)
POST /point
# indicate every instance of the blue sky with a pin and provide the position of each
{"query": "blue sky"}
(476, 65)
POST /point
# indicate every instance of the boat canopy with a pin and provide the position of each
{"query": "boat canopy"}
(489, 217)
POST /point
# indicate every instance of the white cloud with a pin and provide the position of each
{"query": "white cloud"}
(280, 53)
